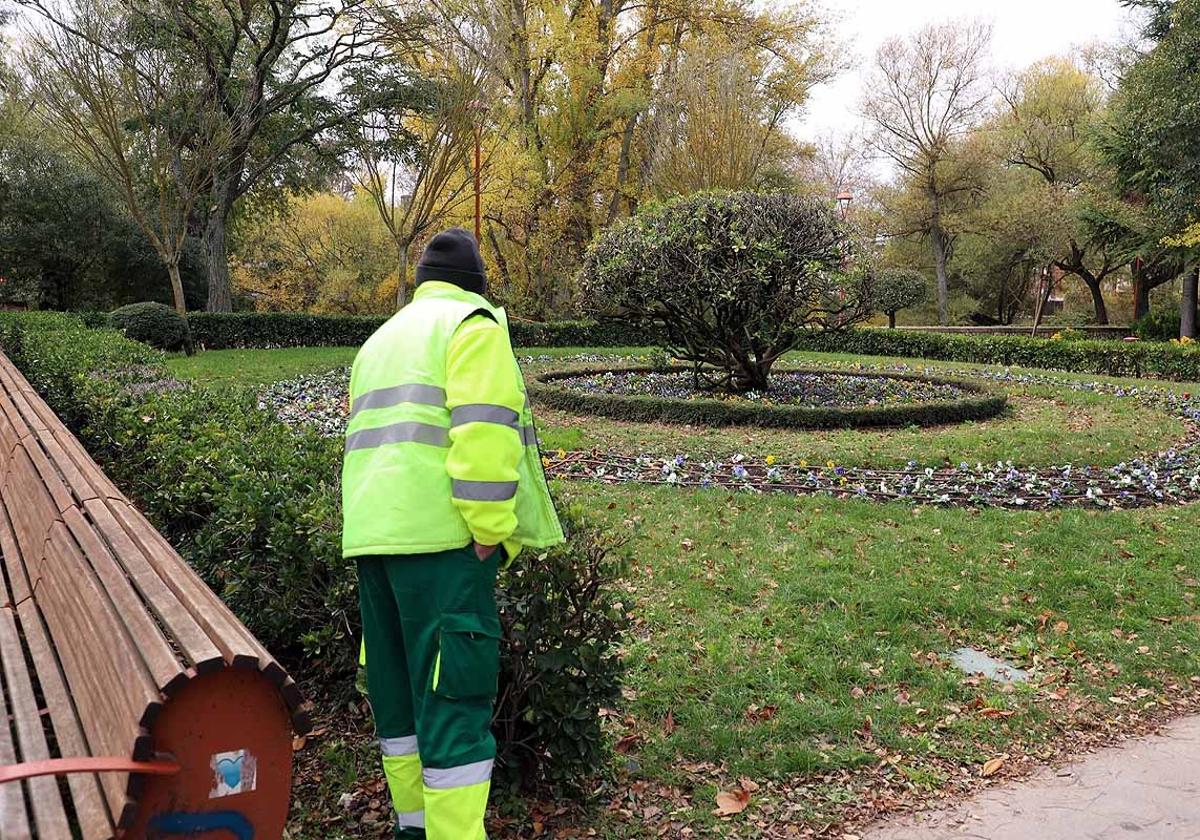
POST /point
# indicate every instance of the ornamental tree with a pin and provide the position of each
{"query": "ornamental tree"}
(896, 289)
(731, 280)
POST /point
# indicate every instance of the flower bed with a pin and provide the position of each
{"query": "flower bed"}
(799, 398)
(824, 389)
(1171, 476)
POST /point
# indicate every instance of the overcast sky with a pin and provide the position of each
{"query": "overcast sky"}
(1023, 31)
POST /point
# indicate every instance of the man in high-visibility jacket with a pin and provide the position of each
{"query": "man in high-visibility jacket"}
(442, 482)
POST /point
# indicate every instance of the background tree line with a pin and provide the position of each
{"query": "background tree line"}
(297, 154)
(211, 127)
(1076, 175)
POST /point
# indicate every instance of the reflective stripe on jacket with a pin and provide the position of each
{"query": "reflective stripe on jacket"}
(440, 446)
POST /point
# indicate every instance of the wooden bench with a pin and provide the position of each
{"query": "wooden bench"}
(133, 702)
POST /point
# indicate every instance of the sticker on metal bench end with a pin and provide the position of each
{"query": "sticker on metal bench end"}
(233, 773)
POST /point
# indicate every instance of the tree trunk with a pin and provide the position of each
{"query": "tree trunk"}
(1044, 290)
(216, 252)
(402, 278)
(938, 242)
(1097, 298)
(751, 375)
(177, 288)
(892, 320)
(1187, 304)
(1000, 303)
(1141, 297)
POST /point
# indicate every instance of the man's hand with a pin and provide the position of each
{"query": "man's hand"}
(483, 552)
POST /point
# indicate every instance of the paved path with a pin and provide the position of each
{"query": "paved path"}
(1147, 789)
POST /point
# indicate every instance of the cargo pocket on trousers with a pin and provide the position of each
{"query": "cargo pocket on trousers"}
(468, 658)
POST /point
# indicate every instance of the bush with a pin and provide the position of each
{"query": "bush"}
(220, 331)
(254, 506)
(1159, 324)
(155, 324)
(733, 280)
(559, 664)
(982, 404)
(896, 289)
(1110, 358)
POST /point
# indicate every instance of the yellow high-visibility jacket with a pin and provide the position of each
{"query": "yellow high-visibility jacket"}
(441, 448)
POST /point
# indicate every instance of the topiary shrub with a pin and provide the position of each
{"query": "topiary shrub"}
(155, 324)
(733, 280)
(898, 288)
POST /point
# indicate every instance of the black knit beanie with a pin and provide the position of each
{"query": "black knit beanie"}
(452, 256)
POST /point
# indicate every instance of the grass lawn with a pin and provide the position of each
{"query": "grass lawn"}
(239, 368)
(797, 642)
(249, 368)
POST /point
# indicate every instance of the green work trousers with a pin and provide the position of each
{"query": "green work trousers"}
(432, 645)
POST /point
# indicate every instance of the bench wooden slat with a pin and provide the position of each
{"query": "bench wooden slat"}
(49, 430)
(236, 644)
(78, 484)
(20, 401)
(90, 807)
(51, 478)
(31, 738)
(12, 429)
(14, 821)
(158, 591)
(107, 678)
(30, 505)
(160, 659)
(101, 483)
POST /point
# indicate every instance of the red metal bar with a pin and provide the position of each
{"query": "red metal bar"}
(67, 766)
(478, 214)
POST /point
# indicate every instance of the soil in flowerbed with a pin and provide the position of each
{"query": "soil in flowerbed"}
(805, 388)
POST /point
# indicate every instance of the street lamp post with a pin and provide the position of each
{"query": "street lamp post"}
(479, 108)
(843, 199)
(478, 212)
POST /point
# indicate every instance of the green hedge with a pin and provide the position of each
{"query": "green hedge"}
(254, 506)
(1110, 358)
(981, 405)
(220, 331)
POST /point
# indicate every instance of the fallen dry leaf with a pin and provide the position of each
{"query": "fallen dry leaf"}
(732, 802)
(628, 743)
(992, 766)
(996, 713)
(755, 714)
(748, 785)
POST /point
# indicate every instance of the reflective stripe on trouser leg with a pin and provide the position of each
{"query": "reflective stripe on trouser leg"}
(456, 801)
(402, 767)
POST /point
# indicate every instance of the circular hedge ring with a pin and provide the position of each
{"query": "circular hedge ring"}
(976, 403)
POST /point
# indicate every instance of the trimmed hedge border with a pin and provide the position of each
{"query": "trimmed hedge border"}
(250, 330)
(1138, 360)
(711, 412)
